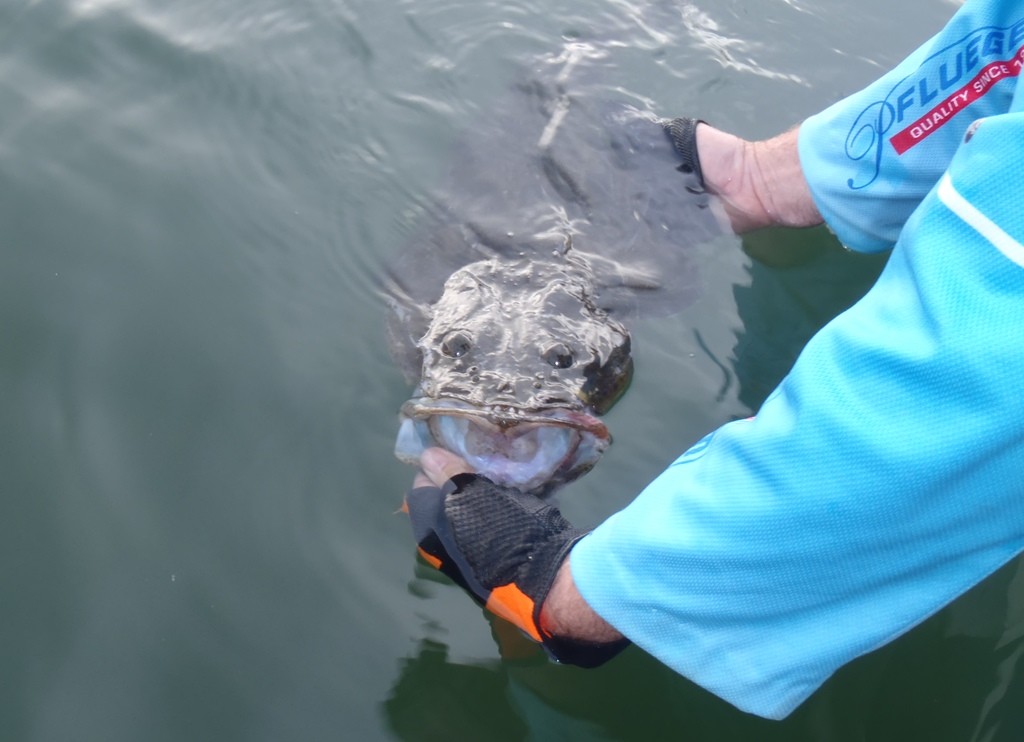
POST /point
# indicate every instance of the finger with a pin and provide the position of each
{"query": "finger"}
(441, 465)
(421, 480)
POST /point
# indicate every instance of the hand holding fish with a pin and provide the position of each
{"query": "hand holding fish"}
(508, 549)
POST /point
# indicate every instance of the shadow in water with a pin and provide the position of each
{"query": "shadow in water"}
(525, 696)
(958, 678)
(799, 280)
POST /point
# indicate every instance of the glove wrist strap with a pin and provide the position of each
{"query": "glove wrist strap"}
(683, 133)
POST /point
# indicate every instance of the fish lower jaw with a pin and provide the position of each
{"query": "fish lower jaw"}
(536, 454)
(524, 456)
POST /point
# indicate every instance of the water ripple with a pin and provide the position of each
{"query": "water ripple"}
(731, 52)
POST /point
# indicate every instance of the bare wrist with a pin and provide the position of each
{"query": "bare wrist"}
(761, 184)
(565, 612)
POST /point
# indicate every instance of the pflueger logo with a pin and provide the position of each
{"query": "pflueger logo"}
(945, 84)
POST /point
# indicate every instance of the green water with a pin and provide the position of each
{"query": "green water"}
(197, 406)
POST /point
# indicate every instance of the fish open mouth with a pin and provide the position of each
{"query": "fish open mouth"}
(533, 451)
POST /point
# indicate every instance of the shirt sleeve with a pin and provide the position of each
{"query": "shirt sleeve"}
(871, 158)
(877, 483)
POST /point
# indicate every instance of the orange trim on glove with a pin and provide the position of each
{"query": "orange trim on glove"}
(512, 604)
(430, 559)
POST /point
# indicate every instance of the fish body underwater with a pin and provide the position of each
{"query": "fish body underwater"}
(561, 221)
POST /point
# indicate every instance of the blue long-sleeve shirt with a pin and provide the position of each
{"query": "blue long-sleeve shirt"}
(882, 478)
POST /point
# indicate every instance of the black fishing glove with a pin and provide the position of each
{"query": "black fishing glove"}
(683, 133)
(504, 547)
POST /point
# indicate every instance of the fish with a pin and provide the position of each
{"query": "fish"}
(519, 362)
(562, 221)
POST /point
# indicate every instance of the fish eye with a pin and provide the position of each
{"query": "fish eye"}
(559, 356)
(456, 344)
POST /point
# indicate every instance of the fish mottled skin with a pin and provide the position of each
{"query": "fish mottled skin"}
(526, 335)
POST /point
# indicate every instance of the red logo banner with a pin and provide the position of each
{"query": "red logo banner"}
(932, 121)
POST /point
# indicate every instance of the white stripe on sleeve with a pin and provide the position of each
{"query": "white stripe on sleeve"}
(987, 228)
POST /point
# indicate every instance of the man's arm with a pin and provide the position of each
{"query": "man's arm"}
(565, 612)
(878, 482)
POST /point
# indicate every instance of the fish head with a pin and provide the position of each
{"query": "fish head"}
(519, 361)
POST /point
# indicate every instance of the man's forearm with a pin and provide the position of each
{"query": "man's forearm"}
(760, 183)
(565, 613)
